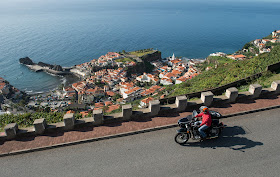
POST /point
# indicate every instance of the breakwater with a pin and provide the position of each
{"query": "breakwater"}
(48, 68)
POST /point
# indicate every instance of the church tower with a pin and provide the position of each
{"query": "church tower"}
(173, 57)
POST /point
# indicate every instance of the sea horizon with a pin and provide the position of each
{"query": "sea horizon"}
(73, 32)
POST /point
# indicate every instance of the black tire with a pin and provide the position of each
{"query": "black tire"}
(181, 138)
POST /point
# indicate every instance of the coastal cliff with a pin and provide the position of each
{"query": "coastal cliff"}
(152, 56)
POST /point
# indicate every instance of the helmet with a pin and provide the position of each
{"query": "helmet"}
(203, 109)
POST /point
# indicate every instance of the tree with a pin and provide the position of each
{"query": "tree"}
(247, 45)
(47, 109)
(22, 102)
(116, 96)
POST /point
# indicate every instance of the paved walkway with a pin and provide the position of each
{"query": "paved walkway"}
(134, 125)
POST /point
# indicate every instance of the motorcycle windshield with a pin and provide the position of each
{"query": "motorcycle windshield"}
(194, 113)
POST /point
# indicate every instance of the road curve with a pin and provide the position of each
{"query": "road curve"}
(249, 146)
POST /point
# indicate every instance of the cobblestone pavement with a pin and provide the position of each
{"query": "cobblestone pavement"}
(134, 125)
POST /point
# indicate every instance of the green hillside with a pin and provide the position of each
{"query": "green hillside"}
(226, 71)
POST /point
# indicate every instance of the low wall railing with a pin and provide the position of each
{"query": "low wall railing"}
(155, 108)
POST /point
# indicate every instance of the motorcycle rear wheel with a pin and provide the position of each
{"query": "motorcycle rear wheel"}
(181, 138)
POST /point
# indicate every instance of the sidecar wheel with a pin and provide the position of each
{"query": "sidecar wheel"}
(181, 138)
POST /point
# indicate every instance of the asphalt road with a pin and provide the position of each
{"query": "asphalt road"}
(249, 146)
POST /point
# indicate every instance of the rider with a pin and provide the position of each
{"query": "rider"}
(206, 121)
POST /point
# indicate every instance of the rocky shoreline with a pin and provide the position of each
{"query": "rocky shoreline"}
(48, 68)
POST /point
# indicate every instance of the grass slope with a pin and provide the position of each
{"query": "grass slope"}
(227, 72)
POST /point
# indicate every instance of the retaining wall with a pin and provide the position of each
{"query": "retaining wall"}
(155, 109)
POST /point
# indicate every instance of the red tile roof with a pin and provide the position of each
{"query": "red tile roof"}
(98, 108)
(108, 103)
(100, 104)
(69, 89)
(110, 93)
(119, 100)
(70, 111)
(169, 75)
(84, 113)
(2, 85)
(112, 108)
(176, 72)
(183, 79)
(147, 100)
(71, 95)
(175, 61)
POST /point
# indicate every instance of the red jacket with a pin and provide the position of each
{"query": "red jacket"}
(206, 118)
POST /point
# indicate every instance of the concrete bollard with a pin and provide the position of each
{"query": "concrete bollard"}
(181, 103)
(276, 86)
(154, 107)
(126, 112)
(98, 117)
(69, 121)
(11, 130)
(232, 94)
(255, 90)
(207, 98)
(40, 125)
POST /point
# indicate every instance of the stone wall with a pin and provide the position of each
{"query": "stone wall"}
(273, 67)
(216, 91)
(222, 89)
(154, 109)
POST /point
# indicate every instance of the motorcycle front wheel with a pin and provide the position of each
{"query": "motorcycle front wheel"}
(181, 138)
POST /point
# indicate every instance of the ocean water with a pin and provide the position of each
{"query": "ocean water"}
(73, 32)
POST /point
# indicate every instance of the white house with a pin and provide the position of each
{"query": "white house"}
(180, 80)
(84, 98)
(143, 78)
(172, 58)
(171, 76)
(264, 50)
(166, 81)
(79, 72)
(68, 91)
(257, 41)
(237, 57)
(132, 94)
(4, 88)
(274, 34)
(145, 102)
(79, 86)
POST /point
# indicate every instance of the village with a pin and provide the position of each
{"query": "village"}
(254, 48)
(106, 83)
(105, 89)
(108, 89)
